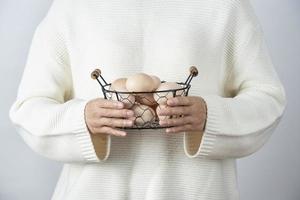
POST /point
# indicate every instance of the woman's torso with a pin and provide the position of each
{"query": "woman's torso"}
(163, 38)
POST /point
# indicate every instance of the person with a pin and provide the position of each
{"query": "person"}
(233, 106)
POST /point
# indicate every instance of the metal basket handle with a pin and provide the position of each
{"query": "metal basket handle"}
(193, 73)
(96, 74)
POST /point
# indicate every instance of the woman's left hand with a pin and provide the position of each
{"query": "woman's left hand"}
(192, 112)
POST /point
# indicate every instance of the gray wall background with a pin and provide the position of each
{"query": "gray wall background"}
(270, 174)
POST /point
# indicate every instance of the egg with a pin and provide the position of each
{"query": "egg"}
(156, 81)
(140, 82)
(119, 85)
(146, 99)
(154, 107)
(143, 114)
(162, 97)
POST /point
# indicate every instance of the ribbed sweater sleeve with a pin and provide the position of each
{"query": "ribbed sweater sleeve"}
(240, 123)
(45, 113)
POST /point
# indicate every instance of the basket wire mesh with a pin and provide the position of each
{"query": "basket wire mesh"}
(142, 119)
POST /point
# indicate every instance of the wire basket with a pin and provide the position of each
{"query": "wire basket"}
(145, 116)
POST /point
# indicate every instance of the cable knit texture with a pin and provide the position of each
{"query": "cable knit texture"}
(244, 96)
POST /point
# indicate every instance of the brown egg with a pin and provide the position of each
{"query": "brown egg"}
(146, 99)
(144, 114)
(140, 82)
(162, 97)
(119, 85)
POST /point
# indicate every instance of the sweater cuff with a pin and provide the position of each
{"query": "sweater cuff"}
(212, 128)
(82, 133)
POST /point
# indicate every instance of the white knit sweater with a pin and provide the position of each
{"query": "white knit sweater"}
(245, 98)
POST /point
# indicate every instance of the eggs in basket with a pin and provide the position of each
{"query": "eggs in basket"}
(144, 94)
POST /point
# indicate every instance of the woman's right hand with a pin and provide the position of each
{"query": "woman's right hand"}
(102, 116)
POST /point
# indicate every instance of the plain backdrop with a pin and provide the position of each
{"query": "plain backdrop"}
(272, 173)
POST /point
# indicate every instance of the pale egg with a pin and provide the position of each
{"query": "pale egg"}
(162, 97)
(143, 114)
(156, 81)
(140, 82)
(119, 85)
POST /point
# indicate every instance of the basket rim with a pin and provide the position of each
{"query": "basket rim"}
(186, 86)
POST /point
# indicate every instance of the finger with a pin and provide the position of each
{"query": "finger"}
(116, 113)
(179, 129)
(104, 103)
(179, 110)
(179, 101)
(114, 122)
(176, 121)
(160, 107)
(110, 131)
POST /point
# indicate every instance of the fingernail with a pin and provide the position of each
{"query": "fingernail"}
(171, 101)
(119, 104)
(162, 111)
(132, 118)
(129, 113)
(162, 122)
(129, 123)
